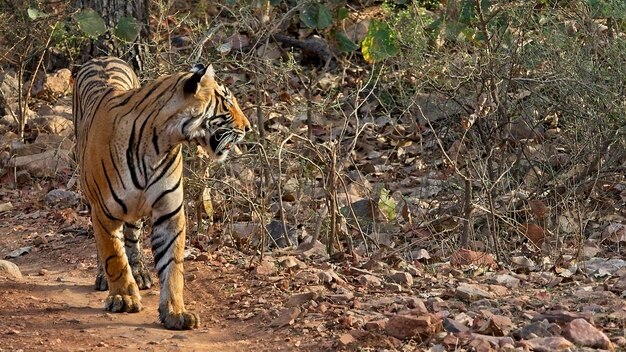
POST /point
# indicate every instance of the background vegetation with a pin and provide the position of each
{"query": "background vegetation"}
(380, 126)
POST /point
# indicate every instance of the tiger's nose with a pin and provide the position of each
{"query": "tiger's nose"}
(246, 125)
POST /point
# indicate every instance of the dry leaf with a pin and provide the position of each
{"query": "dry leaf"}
(539, 208)
(535, 233)
(464, 257)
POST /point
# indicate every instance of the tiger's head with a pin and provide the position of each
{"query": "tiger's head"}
(215, 120)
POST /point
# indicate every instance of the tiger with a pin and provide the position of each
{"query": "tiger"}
(128, 149)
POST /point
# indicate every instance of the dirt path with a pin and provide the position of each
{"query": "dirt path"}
(55, 308)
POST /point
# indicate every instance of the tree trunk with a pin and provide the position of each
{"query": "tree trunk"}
(107, 44)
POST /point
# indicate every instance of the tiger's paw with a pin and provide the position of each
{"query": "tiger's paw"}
(141, 275)
(123, 304)
(179, 321)
(101, 282)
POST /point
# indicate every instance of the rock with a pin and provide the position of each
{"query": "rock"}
(497, 341)
(406, 327)
(310, 249)
(581, 333)
(53, 124)
(62, 197)
(291, 262)
(610, 266)
(18, 252)
(5, 207)
(307, 277)
(401, 277)
(54, 85)
(507, 280)
(285, 317)
(9, 269)
(265, 267)
(392, 287)
(548, 344)
(499, 291)
(376, 325)
(346, 340)
(420, 254)
(451, 325)
(496, 325)
(46, 164)
(9, 91)
(276, 231)
(562, 316)
(539, 328)
(369, 280)
(341, 297)
(301, 298)
(471, 293)
(416, 304)
(325, 276)
(366, 211)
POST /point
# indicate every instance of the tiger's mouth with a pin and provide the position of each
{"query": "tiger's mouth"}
(221, 142)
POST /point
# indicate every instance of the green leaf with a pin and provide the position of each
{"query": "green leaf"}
(387, 204)
(127, 29)
(34, 14)
(379, 43)
(90, 22)
(342, 13)
(275, 2)
(346, 45)
(316, 15)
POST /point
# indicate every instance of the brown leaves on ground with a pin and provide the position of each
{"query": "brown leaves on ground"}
(464, 257)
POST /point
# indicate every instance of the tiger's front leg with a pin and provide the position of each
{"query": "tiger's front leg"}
(123, 290)
(168, 244)
(134, 252)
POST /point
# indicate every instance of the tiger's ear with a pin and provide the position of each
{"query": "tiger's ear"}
(201, 75)
(209, 77)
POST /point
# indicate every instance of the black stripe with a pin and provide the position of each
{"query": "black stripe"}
(121, 273)
(106, 264)
(160, 271)
(142, 167)
(123, 102)
(166, 192)
(117, 170)
(167, 216)
(160, 252)
(164, 170)
(155, 140)
(115, 197)
(99, 198)
(130, 160)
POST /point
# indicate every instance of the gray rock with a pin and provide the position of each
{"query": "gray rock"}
(286, 317)
(451, 325)
(9, 269)
(20, 251)
(276, 231)
(507, 280)
(471, 293)
(61, 197)
(369, 280)
(402, 278)
(540, 328)
(301, 298)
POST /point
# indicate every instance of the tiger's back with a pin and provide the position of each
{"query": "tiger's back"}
(94, 81)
